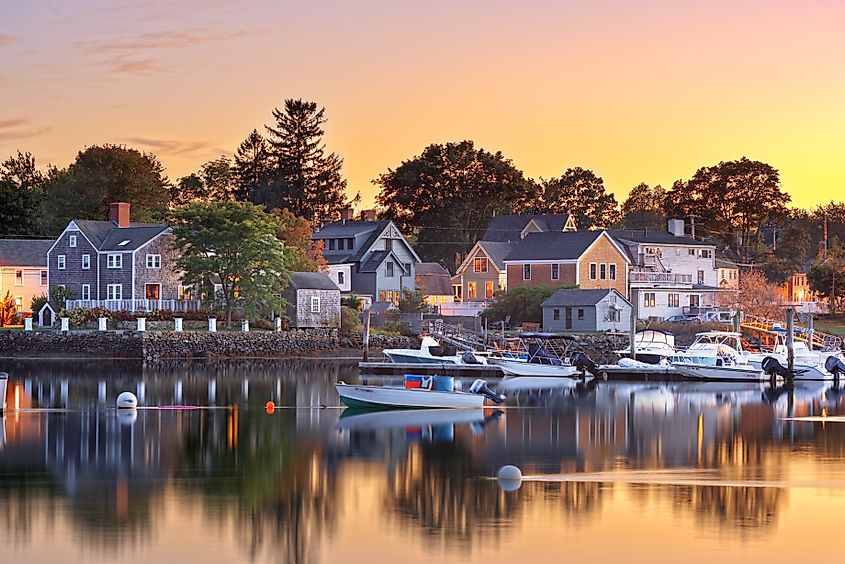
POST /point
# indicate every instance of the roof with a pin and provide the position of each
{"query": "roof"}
(504, 228)
(347, 229)
(553, 246)
(724, 262)
(657, 237)
(577, 297)
(311, 281)
(497, 251)
(107, 236)
(381, 307)
(433, 279)
(24, 252)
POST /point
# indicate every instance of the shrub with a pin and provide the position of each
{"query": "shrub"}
(350, 321)
(61, 294)
(37, 303)
(396, 328)
(521, 304)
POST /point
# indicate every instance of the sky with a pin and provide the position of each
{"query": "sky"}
(636, 90)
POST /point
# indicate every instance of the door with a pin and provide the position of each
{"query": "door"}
(152, 292)
(569, 318)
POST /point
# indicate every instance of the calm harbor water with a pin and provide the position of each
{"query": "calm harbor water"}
(615, 472)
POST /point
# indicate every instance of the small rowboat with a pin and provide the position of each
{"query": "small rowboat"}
(387, 396)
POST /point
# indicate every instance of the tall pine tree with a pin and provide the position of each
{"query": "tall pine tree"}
(252, 168)
(305, 179)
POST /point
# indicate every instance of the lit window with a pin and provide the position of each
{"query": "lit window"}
(114, 261)
(184, 292)
(315, 304)
(472, 289)
(382, 295)
(71, 241)
(674, 300)
(60, 262)
(649, 299)
(153, 261)
(480, 264)
(86, 262)
(488, 289)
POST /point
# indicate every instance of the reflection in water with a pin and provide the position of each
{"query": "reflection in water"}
(285, 486)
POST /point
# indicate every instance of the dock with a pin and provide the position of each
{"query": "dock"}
(445, 369)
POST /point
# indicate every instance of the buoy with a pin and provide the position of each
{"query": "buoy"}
(270, 407)
(127, 400)
(509, 477)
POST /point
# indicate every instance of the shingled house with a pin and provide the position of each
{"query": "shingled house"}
(117, 264)
(313, 300)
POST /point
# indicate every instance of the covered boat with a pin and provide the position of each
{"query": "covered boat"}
(431, 352)
(424, 395)
(651, 346)
(538, 354)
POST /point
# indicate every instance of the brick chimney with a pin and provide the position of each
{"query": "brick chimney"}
(346, 214)
(119, 213)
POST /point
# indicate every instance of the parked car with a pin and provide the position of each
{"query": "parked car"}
(682, 319)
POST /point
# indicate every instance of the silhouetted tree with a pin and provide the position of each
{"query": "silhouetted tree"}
(581, 193)
(252, 168)
(21, 187)
(643, 208)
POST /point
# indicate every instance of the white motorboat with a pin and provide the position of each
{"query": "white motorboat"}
(723, 372)
(387, 396)
(430, 352)
(651, 346)
(712, 348)
(539, 354)
(513, 368)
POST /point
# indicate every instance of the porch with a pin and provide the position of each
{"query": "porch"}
(137, 305)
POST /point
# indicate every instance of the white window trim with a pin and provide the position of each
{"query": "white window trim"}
(83, 293)
(71, 241)
(153, 261)
(611, 271)
(118, 294)
(594, 271)
(21, 278)
(43, 276)
(84, 265)
(118, 261)
(315, 304)
(61, 262)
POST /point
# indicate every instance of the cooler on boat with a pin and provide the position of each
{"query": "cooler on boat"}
(418, 382)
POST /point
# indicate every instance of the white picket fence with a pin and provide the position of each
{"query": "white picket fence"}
(137, 305)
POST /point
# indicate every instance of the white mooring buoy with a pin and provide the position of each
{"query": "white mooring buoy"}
(509, 477)
(127, 400)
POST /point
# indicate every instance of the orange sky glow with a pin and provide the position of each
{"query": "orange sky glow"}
(638, 91)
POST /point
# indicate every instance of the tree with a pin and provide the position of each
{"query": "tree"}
(304, 179)
(755, 296)
(104, 174)
(412, 302)
(792, 251)
(8, 309)
(827, 275)
(643, 208)
(214, 181)
(252, 169)
(730, 200)
(60, 295)
(235, 243)
(21, 185)
(522, 304)
(446, 196)
(581, 193)
(304, 255)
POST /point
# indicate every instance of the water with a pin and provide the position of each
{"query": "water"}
(614, 472)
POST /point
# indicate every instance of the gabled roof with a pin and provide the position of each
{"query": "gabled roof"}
(497, 251)
(311, 281)
(644, 236)
(568, 297)
(24, 252)
(376, 258)
(433, 279)
(504, 228)
(107, 236)
(553, 246)
(347, 229)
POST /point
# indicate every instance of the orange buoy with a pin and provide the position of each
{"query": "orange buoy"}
(270, 407)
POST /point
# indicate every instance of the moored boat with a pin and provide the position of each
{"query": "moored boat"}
(651, 346)
(362, 396)
(431, 352)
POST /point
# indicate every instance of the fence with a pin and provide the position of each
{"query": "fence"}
(137, 305)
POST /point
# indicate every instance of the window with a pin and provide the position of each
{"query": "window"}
(86, 262)
(60, 262)
(381, 296)
(18, 302)
(488, 289)
(556, 314)
(526, 272)
(674, 300)
(555, 271)
(704, 253)
(331, 244)
(457, 292)
(694, 300)
(340, 243)
(123, 243)
(153, 261)
(389, 272)
(350, 243)
(581, 314)
(612, 271)
(472, 289)
(701, 277)
(593, 271)
(390, 295)
(114, 292)
(480, 264)
(613, 315)
(692, 252)
(315, 304)
(388, 244)
(152, 291)
(649, 299)
(184, 292)
(652, 251)
(43, 277)
(407, 266)
(19, 278)
(115, 261)
(71, 241)
(86, 291)
(603, 271)
(340, 277)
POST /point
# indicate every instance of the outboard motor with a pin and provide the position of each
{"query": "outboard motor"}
(468, 358)
(835, 366)
(480, 387)
(585, 364)
(773, 368)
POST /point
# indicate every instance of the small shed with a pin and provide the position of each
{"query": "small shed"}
(586, 310)
(313, 300)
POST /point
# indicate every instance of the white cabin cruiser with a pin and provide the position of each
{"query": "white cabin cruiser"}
(716, 355)
(430, 352)
(651, 346)
(539, 354)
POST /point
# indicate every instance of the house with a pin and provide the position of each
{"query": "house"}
(728, 272)
(672, 273)
(513, 228)
(587, 259)
(586, 310)
(435, 283)
(313, 300)
(117, 264)
(370, 259)
(482, 275)
(23, 270)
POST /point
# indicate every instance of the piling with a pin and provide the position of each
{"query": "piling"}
(367, 336)
(790, 336)
(810, 330)
(634, 303)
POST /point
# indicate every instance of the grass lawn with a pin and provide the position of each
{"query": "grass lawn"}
(831, 324)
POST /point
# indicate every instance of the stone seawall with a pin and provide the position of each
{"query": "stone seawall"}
(152, 346)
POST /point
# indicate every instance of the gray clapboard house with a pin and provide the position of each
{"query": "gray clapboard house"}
(572, 309)
(116, 264)
(370, 259)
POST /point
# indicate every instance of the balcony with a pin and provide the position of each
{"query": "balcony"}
(137, 305)
(646, 277)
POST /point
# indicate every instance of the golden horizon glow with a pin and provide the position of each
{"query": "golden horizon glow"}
(644, 91)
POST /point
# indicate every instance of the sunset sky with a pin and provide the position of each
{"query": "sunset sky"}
(638, 91)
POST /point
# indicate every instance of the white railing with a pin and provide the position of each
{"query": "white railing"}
(137, 305)
(639, 276)
(467, 309)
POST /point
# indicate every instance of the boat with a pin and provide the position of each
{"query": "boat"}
(363, 396)
(712, 348)
(812, 362)
(538, 354)
(370, 420)
(431, 352)
(651, 346)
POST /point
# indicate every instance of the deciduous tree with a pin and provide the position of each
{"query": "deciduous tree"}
(304, 255)
(21, 186)
(215, 180)
(643, 208)
(580, 192)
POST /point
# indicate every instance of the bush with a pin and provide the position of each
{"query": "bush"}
(350, 321)
(396, 328)
(37, 303)
(60, 295)
(521, 304)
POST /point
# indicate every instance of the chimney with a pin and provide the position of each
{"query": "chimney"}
(346, 214)
(119, 213)
(676, 227)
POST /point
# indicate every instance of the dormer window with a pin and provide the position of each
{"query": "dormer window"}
(350, 243)
(123, 243)
(71, 241)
